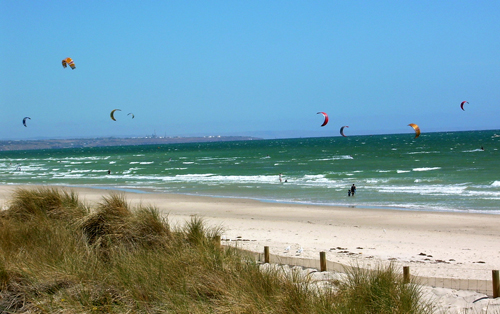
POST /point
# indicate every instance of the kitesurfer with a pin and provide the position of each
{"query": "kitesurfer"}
(353, 189)
(109, 171)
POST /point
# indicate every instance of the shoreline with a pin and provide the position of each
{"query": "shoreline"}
(434, 244)
(366, 207)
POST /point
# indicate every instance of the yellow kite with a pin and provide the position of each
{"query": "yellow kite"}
(68, 61)
(416, 128)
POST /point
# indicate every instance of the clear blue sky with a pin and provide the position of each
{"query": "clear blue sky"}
(257, 68)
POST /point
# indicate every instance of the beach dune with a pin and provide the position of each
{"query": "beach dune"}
(434, 244)
(439, 245)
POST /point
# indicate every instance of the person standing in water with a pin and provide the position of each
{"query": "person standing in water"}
(281, 180)
(353, 189)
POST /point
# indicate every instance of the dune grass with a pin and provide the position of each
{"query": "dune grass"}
(59, 256)
(382, 290)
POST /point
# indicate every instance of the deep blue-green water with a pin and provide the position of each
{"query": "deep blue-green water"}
(437, 171)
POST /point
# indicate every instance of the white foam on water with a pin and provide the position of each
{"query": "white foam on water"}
(425, 189)
(340, 157)
(216, 158)
(424, 180)
(198, 175)
(423, 152)
(77, 158)
(314, 176)
(80, 171)
(485, 195)
(402, 171)
(15, 159)
(319, 178)
(69, 175)
(426, 168)
(376, 181)
(473, 150)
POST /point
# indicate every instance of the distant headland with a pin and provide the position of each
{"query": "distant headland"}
(11, 145)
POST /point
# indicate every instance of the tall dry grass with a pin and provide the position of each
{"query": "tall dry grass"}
(49, 202)
(58, 256)
(382, 290)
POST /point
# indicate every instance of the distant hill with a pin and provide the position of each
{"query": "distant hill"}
(112, 141)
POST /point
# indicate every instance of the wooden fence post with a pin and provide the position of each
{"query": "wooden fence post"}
(322, 261)
(266, 254)
(496, 283)
(406, 274)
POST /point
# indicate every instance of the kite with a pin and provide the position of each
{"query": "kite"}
(131, 114)
(462, 104)
(68, 61)
(112, 114)
(326, 118)
(24, 120)
(342, 130)
(416, 128)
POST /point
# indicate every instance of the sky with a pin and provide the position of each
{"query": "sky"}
(247, 68)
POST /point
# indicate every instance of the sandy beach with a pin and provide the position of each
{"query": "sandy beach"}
(433, 244)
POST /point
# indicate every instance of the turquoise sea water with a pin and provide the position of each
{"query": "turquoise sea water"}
(437, 171)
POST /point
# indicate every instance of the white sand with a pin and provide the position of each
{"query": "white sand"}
(456, 245)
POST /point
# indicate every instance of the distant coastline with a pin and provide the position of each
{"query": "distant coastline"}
(13, 145)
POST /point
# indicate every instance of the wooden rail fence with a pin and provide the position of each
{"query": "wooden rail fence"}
(488, 287)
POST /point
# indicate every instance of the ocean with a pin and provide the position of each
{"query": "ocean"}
(447, 171)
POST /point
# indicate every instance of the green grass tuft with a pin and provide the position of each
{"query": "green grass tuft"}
(379, 291)
(48, 202)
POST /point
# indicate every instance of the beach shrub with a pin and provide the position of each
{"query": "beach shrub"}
(382, 290)
(197, 233)
(52, 203)
(114, 224)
